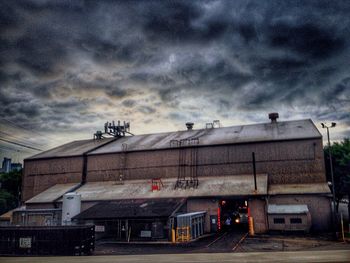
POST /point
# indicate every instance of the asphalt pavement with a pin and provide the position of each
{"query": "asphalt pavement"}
(284, 257)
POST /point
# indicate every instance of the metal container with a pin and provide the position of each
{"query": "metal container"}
(71, 207)
(190, 225)
(59, 240)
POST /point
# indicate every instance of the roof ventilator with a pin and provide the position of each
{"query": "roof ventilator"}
(214, 124)
(273, 117)
(189, 126)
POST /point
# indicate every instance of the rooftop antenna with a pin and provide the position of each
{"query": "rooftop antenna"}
(113, 130)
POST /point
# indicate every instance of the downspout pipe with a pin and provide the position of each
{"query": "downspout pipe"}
(84, 170)
(254, 171)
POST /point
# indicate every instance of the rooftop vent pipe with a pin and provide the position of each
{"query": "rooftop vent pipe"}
(189, 125)
(273, 117)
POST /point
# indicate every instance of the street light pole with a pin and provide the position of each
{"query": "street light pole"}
(331, 167)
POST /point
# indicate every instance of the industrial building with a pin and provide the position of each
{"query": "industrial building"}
(146, 186)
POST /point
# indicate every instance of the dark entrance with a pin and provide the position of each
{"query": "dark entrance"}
(233, 214)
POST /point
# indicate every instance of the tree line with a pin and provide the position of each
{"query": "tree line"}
(10, 190)
(340, 152)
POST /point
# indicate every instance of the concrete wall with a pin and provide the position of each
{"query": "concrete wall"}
(258, 212)
(319, 207)
(208, 205)
(287, 225)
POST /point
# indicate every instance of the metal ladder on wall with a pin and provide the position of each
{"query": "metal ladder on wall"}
(122, 170)
(187, 164)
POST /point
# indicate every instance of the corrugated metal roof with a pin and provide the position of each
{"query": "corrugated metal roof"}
(75, 148)
(286, 130)
(7, 216)
(141, 189)
(146, 208)
(287, 209)
(191, 214)
(314, 188)
(236, 134)
(52, 193)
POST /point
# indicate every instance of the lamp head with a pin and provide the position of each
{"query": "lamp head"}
(322, 124)
(333, 124)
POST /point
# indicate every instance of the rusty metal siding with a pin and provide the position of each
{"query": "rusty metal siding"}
(319, 207)
(286, 162)
(298, 161)
(40, 175)
(133, 165)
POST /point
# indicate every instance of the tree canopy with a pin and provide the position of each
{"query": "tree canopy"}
(10, 190)
(340, 152)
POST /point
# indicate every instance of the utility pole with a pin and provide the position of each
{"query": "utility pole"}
(331, 168)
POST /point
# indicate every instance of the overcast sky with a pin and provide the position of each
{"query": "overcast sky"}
(66, 67)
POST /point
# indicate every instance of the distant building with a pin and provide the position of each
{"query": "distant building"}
(16, 166)
(6, 165)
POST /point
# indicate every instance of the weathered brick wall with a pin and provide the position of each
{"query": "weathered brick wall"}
(319, 207)
(285, 162)
(40, 175)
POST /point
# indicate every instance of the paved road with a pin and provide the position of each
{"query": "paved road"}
(300, 256)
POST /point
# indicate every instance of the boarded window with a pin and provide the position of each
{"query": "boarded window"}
(295, 221)
(278, 220)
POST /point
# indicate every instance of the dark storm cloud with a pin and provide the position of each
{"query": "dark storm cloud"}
(176, 116)
(107, 51)
(308, 40)
(146, 109)
(173, 21)
(129, 103)
(66, 62)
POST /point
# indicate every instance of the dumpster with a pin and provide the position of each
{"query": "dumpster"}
(47, 240)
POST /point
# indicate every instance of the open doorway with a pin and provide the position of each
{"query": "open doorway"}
(234, 214)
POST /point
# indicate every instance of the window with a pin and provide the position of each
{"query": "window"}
(295, 221)
(278, 220)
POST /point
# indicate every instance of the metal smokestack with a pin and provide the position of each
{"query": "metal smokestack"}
(189, 125)
(273, 117)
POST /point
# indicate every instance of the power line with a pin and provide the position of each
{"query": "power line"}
(27, 129)
(6, 148)
(20, 140)
(20, 144)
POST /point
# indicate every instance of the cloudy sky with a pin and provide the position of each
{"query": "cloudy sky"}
(66, 67)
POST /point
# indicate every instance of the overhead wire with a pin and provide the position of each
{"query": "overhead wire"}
(15, 151)
(28, 129)
(25, 131)
(18, 139)
(20, 144)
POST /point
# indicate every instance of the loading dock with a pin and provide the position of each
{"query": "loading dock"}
(131, 220)
(233, 213)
